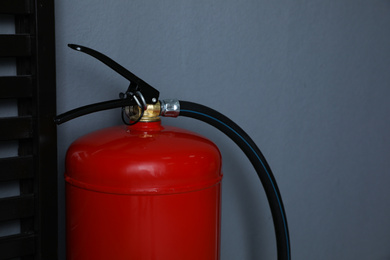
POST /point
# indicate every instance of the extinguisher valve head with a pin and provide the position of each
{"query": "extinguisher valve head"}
(150, 114)
(170, 107)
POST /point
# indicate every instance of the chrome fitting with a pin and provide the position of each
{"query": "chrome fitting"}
(170, 107)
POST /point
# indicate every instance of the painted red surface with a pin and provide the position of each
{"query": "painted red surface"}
(143, 192)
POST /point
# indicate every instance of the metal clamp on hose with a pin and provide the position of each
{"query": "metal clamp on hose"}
(170, 107)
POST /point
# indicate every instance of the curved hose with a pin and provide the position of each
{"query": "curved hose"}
(258, 161)
(235, 133)
(81, 111)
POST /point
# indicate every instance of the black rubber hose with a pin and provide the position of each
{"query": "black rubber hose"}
(258, 161)
(81, 111)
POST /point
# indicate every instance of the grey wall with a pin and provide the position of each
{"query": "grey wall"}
(308, 80)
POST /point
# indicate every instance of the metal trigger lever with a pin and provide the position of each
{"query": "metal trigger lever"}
(149, 94)
(138, 93)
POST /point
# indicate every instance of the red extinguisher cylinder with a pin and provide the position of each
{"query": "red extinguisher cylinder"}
(143, 192)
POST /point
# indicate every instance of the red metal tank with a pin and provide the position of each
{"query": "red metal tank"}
(143, 192)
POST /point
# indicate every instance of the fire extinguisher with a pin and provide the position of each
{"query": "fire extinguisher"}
(148, 191)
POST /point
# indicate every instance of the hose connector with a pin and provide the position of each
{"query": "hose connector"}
(170, 107)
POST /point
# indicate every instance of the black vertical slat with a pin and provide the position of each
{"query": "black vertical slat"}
(15, 246)
(15, 7)
(46, 129)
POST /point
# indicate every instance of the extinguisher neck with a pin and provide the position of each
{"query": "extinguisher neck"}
(146, 126)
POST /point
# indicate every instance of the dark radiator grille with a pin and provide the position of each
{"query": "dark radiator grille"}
(28, 149)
